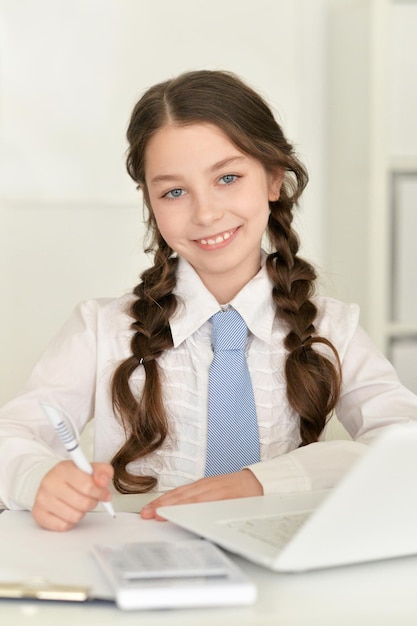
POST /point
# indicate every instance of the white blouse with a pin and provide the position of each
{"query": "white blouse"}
(75, 373)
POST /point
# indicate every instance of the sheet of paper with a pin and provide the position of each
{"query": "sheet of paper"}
(27, 551)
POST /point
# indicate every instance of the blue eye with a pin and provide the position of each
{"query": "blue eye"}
(228, 179)
(174, 193)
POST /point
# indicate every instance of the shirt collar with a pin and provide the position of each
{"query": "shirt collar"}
(196, 304)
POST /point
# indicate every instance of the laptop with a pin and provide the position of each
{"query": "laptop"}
(370, 515)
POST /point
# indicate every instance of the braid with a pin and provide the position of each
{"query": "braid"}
(145, 420)
(313, 380)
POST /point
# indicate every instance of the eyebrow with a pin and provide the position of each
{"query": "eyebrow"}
(213, 168)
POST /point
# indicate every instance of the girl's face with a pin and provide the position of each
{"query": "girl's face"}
(210, 203)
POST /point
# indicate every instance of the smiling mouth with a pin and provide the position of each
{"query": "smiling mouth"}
(211, 241)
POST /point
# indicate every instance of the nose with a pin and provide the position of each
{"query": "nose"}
(206, 209)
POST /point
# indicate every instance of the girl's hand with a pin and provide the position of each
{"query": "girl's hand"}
(66, 494)
(237, 485)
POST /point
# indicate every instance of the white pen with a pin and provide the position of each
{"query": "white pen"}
(71, 444)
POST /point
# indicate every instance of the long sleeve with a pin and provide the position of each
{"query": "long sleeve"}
(64, 376)
(372, 399)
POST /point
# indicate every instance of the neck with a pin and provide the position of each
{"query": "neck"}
(224, 289)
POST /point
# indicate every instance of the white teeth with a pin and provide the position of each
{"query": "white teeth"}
(219, 239)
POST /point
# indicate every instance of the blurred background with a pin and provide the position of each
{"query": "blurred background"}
(341, 77)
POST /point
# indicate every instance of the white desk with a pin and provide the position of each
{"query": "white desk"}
(382, 594)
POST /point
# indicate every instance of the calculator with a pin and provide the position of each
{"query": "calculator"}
(195, 572)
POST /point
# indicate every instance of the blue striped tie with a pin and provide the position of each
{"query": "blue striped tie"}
(232, 437)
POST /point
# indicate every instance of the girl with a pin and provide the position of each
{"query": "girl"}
(216, 173)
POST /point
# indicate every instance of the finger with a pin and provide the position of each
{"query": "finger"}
(66, 493)
(102, 474)
(62, 514)
(172, 497)
(236, 485)
(61, 520)
(94, 486)
(194, 492)
(66, 498)
(81, 494)
(56, 513)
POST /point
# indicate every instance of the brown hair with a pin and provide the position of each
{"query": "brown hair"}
(313, 379)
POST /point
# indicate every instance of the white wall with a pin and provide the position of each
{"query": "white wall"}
(70, 72)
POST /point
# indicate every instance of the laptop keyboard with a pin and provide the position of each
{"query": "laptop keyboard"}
(274, 530)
